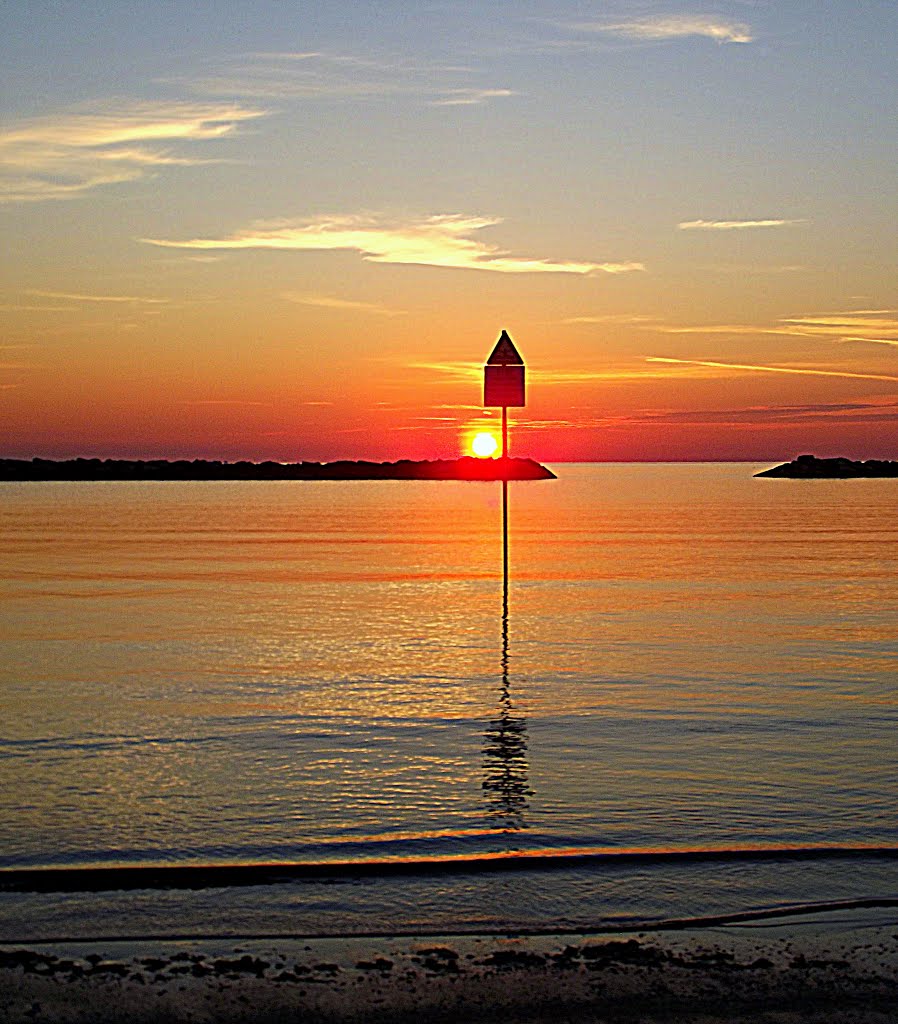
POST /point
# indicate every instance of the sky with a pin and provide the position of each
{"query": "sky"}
(291, 231)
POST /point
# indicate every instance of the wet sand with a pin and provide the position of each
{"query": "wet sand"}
(838, 971)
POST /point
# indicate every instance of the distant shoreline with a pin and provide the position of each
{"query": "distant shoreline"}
(809, 467)
(466, 468)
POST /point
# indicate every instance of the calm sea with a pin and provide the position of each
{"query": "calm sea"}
(686, 659)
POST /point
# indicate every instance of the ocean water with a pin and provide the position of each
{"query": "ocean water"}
(682, 659)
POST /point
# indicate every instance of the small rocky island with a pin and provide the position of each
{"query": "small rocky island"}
(809, 467)
(465, 468)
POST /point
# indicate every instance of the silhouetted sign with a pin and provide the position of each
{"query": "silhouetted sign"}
(503, 375)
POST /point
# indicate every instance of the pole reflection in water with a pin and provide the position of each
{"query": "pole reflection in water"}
(505, 782)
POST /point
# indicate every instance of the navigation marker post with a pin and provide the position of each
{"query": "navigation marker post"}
(503, 385)
(503, 382)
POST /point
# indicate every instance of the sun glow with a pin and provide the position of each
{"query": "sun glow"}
(484, 446)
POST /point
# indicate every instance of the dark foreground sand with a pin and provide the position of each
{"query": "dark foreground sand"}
(836, 972)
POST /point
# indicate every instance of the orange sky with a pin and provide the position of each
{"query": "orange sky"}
(299, 238)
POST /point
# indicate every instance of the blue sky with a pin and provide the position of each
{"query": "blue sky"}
(680, 212)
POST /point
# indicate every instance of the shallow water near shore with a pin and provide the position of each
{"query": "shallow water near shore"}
(689, 659)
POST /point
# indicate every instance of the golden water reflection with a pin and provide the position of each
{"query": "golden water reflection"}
(505, 769)
(505, 782)
(275, 667)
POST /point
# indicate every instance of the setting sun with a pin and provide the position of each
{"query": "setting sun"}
(484, 445)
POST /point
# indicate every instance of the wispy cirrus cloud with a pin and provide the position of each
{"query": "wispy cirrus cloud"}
(759, 368)
(309, 74)
(660, 326)
(731, 329)
(322, 75)
(876, 326)
(638, 320)
(18, 366)
(334, 302)
(443, 240)
(469, 372)
(83, 297)
(865, 312)
(871, 327)
(63, 156)
(872, 341)
(665, 27)
(863, 324)
(753, 269)
(736, 225)
(469, 97)
(30, 307)
(751, 417)
(223, 401)
(843, 412)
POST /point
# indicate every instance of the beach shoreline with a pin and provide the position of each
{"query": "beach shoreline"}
(842, 969)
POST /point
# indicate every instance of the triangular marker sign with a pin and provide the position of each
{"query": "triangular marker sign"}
(505, 354)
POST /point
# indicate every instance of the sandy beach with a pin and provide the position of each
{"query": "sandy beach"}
(842, 970)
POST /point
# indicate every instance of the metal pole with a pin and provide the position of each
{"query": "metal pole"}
(505, 695)
(505, 548)
(505, 516)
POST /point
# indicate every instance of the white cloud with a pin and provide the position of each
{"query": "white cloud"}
(469, 97)
(223, 401)
(864, 312)
(468, 372)
(33, 308)
(69, 154)
(874, 326)
(438, 241)
(673, 27)
(625, 319)
(873, 341)
(333, 302)
(756, 368)
(734, 225)
(80, 297)
(744, 269)
(748, 329)
(844, 320)
(319, 75)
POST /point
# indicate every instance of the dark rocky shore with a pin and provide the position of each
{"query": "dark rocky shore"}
(466, 468)
(809, 467)
(804, 976)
